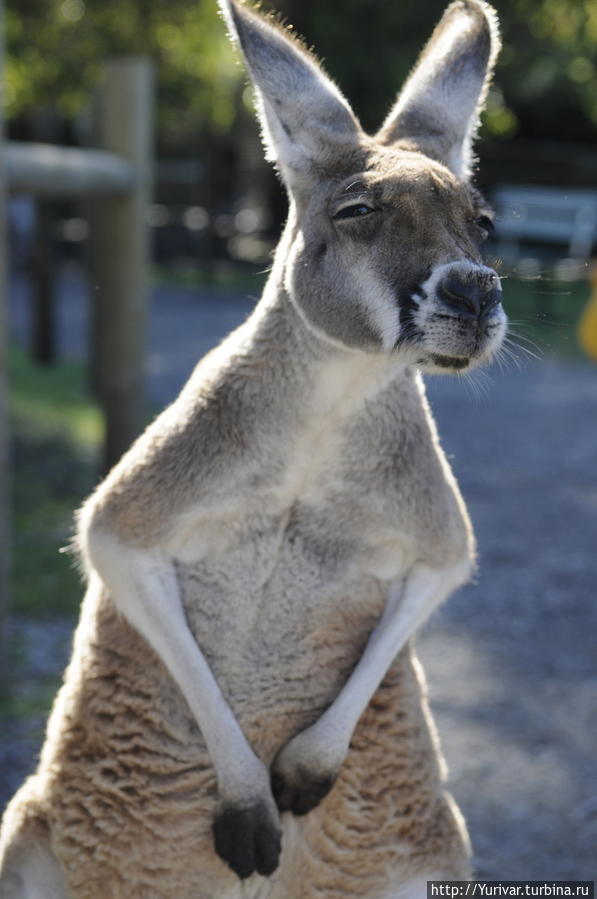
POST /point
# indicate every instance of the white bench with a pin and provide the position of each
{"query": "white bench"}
(555, 215)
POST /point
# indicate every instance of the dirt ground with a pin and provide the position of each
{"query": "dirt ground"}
(512, 659)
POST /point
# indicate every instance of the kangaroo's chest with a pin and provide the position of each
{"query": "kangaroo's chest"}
(270, 586)
(283, 612)
(311, 531)
(339, 499)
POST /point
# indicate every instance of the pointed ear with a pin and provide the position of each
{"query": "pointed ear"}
(439, 106)
(305, 119)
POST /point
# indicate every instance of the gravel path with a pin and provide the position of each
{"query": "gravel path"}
(511, 660)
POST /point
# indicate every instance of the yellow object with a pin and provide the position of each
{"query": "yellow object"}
(587, 326)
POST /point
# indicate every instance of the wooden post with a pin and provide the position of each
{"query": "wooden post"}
(43, 287)
(119, 254)
(4, 435)
(45, 126)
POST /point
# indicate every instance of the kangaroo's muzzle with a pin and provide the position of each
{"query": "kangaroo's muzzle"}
(476, 295)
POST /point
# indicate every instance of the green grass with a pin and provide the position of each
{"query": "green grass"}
(56, 431)
(544, 314)
(51, 401)
(247, 280)
(30, 698)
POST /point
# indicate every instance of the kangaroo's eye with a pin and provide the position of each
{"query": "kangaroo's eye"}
(358, 210)
(485, 224)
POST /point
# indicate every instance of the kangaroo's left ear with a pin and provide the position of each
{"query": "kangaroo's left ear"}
(306, 122)
(439, 106)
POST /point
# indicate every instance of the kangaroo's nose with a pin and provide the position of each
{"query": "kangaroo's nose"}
(471, 297)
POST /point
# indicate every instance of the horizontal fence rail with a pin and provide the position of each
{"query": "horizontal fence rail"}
(56, 172)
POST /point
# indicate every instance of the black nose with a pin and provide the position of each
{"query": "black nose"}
(470, 296)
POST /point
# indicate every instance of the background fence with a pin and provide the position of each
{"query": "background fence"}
(116, 179)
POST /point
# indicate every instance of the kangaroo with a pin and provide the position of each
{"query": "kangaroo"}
(243, 714)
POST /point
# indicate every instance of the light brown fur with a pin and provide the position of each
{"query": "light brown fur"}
(127, 792)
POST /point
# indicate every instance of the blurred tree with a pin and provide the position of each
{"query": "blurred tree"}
(547, 70)
(546, 74)
(54, 48)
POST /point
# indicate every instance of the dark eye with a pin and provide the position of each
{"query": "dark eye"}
(485, 224)
(356, 211)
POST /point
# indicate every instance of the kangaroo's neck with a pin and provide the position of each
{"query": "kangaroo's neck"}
(306, 367)
(286, 377)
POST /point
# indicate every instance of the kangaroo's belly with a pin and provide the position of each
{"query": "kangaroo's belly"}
(281, 661)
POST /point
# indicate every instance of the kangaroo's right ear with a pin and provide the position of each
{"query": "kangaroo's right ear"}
(438, 107)
(305, 119)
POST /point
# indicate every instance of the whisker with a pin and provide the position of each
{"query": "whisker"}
(476, 383)
(520, 323)
(518, 337)
(514, 344)
(553, 293)
(500, 360)
(507, 355)
(512, 348)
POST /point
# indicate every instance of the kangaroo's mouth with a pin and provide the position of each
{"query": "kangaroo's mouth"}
(456, 363)
(455, 349)
(448, 343)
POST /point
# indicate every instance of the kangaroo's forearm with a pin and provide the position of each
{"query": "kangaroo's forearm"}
(410, 602)
(144, 588)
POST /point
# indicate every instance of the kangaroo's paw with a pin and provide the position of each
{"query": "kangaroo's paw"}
(304, 771)
(248, 838)
(301, 792)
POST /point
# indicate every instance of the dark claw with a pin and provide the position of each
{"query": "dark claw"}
(302, 795)
(247, 840)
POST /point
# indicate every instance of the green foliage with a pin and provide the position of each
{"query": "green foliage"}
(54, 48)
(548, 67)
(30, 697)
(546, 74)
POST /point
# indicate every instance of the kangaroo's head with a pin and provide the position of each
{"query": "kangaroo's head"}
(382, 250)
